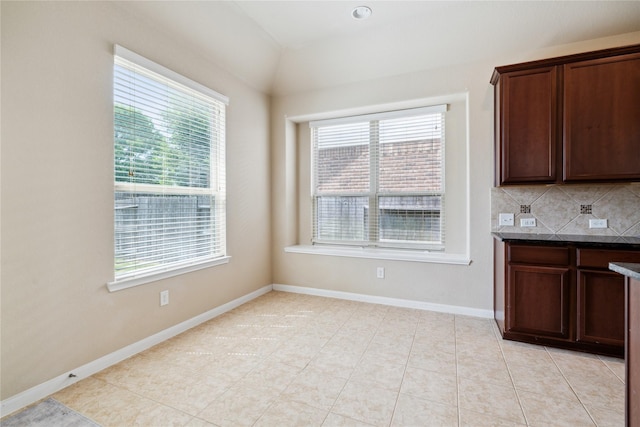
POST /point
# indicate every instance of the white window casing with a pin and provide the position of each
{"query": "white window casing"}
(169, 173)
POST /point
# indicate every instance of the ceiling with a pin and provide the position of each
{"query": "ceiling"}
(281, 47)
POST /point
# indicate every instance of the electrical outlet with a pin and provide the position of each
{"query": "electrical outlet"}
(527, 222)
(380, 272)
(598, 223)
(506, 219)
(164, 298)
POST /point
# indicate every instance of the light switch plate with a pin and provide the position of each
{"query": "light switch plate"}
(506, 219)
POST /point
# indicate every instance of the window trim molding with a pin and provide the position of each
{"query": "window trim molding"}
(381, 253)
(141, 279)
(383, 115)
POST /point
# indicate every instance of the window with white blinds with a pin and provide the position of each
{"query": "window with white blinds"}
(169, 165)
(378, 179)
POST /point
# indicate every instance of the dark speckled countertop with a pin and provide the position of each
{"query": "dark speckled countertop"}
(612, 241)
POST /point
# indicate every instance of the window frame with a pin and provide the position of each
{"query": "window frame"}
(374, 194)
(215, 189)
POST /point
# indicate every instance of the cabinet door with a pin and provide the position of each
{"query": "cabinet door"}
(601, 119)
(539, 301)
(600, 307)
(528, 126)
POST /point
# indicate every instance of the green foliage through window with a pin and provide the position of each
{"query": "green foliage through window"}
(168, 170)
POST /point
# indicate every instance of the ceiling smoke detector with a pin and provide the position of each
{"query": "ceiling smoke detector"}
(361, 12)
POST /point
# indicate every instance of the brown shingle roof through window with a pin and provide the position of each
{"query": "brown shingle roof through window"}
(412, 166)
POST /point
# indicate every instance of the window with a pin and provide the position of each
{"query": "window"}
(378, 179)
(169, 140)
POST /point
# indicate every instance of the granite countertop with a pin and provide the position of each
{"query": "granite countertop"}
(630, 241)
(626, 268)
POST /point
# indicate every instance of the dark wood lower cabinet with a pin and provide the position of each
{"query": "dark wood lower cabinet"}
(539, 300)
(561, 295)
(600, 307)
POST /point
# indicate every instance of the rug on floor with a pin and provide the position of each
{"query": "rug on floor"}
(48, 413)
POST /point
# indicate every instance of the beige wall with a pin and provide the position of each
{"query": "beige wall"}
(453, 285)
(57, 191)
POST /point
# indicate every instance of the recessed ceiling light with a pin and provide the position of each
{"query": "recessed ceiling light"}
(361, 12)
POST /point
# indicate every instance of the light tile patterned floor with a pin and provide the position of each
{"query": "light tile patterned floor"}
(295, 360)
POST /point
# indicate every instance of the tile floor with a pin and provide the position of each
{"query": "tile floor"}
(296, 360)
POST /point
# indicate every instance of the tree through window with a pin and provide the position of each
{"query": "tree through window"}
(169, 169)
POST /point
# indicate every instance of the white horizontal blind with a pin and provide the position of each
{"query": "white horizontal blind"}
(378, 180)
(169, 166)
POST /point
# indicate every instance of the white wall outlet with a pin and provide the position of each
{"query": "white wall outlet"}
(527, 222)
(506, 219)
(598, 223)
(164, 298)
(380, 272)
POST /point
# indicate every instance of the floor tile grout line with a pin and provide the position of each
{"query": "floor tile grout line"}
(318, 352)
(125, 387)
(555, 362)
(262, 359)
(346, 382)
(404, 372)
(611, 370)
(499, 340)
(513, 384)
(455, 349)
(144, 397)
(360, 360)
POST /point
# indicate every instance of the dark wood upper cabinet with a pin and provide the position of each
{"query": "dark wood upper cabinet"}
(601, 119)
(527, 126)
(569, 119)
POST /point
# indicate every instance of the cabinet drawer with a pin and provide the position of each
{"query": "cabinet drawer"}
(600, 258)
(546, 255)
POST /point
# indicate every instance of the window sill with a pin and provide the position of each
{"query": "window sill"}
(130, 282)
(377, 253)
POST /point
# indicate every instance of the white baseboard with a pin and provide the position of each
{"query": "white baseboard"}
(396, 302)
(45, 389)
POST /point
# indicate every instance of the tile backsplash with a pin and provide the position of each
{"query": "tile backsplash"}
(567, 209)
